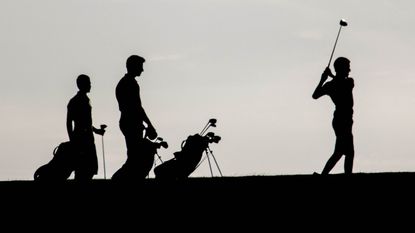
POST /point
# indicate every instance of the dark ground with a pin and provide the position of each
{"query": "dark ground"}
(260, 201)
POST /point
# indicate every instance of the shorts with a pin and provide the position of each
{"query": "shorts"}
(344, 136)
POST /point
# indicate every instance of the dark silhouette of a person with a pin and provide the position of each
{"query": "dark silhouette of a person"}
(80, 131)
(133, 117)
(340, 91)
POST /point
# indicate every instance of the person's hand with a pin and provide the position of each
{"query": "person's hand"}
(327, 73)
(100, 131)
(151, 133)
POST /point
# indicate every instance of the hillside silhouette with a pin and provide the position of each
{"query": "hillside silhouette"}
(264, 200)
(253, 189)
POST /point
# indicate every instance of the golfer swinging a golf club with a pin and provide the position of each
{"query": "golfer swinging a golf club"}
(340, 91)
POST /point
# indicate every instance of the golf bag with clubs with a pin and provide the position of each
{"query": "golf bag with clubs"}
(61, 165)
(188, 159)
(137, 167)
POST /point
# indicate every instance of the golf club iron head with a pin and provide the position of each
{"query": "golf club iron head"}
(212, 121)
(164, 144)
(213, 138)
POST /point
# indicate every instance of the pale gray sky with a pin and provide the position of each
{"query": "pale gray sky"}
(252, 64)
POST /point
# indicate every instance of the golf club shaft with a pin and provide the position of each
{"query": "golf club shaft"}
(204, 131)
(159, 158)
(103, 157)
(206, 128)
(335, 43)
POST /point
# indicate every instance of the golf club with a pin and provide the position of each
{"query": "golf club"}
(343, 23)
(161, 142)
(103, 152)
(212, 122)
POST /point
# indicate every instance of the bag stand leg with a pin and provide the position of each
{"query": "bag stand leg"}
(214, 159)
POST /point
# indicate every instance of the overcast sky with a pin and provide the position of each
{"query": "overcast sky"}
(252, 64)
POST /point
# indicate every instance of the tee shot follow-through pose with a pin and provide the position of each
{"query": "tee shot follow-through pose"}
(340, 91)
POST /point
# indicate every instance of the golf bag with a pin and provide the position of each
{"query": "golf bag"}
(137, 167)
(188, 159)
(184, 161)
(61, 165)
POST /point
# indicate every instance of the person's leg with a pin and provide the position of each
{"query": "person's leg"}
(348, 162)
(344, 145)
(131, 141)
(338, 151)
(87, 163)
(82, 175)
(83, 171)
(132, 138)
(331, 163)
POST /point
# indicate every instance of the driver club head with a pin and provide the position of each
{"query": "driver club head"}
(343, 22)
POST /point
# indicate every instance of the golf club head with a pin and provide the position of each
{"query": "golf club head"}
(213, 138)
(210, 134)
(343, 23)
(212, 121)
(216, 139)
(164, 144)
(103, 126)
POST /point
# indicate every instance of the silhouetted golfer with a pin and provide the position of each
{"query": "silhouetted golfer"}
(133, 117)
(340, 91)
(80, 131)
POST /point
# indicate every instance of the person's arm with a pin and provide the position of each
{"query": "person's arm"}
(150, 131)
(319, 91)
(69, 126)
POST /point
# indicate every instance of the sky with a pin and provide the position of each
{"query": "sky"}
(251, 64)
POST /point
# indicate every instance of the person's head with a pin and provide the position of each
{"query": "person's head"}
(83, 82)
(135, 65)
(342, 67)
